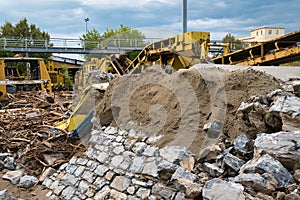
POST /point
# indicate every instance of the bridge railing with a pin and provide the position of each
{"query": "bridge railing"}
(116, 42)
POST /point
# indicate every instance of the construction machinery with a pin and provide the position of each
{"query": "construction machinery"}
(56, 75)
(26, 74)
(171, 54)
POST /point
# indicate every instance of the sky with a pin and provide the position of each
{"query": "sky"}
(155, 18)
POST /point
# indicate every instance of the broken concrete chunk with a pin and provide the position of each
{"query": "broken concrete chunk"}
(166, 170)
(287, 104)
(297, 175)
(4, 194)
(233, 162)
(245, 107)
(188, 163)
(255, 181)
(13, 176)
(161, 190)
(212, 169)
(267, 164)
(290, 124)
(217, 189)
(241, 143)
(181, 179)
(175, 154)
(120, 183)
(284, 146)
(28, 181)
(213, 129)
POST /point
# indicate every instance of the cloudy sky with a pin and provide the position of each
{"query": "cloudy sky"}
(156, 18)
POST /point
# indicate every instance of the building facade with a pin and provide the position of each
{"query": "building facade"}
(262, 34)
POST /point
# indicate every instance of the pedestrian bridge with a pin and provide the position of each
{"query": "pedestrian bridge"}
(74, 46)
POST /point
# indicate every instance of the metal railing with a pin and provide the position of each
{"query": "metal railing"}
(63, 45)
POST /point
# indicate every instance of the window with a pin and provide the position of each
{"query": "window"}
(276, 32)
(257, 33)
(261, 32)
(270, 32)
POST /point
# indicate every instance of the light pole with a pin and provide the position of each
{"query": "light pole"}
(86, 21)
(184, 16)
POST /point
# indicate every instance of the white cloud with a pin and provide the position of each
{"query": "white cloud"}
(221, 4)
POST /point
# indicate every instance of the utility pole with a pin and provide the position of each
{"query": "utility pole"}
(86, 21)
(184, 16)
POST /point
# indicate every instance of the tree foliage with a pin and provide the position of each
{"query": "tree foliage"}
(124, 36)
(235, 43)
(23, 30)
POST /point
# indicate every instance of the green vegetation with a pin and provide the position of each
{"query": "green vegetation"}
(235, 44)
(21, 31)
(111, 38)
(67, 79)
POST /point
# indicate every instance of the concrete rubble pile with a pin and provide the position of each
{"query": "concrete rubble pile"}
(263, 163)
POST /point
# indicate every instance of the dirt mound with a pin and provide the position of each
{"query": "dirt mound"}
(177, 106)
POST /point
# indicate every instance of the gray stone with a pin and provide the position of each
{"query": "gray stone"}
(83, 186)
(101, 170)
(82, 161)
(284, 146)
(114, 194)
(4, 195)
(143, 193)
(120, 183)
(175, 154)
(92, 165)
(70, 179)
(54, 185)
(180, 196)
(241, 143)
(122, 132)
(182, 178)
(151, 169)
(132, 134)
(137, 165)
(125, 164)
(131, 190)
(90, 153)
(28, 181)
(109, 175)
(150, 151)
(9, 163)
(79, 171)
(160, 190)
(102, 157)
(245, 107)
(255, 181)
(212, 169)
(13, 176)
(118, 150)
(139, 147)
(139, 183)
(3, 156)
(188, 163)
(129, 197)
(103, 193)
(153, 139)
(111, 130)
(120, 139)
(100, 183)
(166, 170)
(57, 190)
(89, 176)
(70, 168)
(90, 192)
(233, 162)
(116, 160)
(68, 192)
(47, 182)
(267, 164)
(286, 104)
(213, 129)
(217, 189)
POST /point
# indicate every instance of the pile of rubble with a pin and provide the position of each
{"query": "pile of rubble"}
(28, 136)
(123, 164)
(254, 154)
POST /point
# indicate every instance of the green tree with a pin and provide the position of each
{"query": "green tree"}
(235, 44)
(25, 32)
(123, 36)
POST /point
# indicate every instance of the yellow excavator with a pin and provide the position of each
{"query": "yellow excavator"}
(179, 52)
(35, 75)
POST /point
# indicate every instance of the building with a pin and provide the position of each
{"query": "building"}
(262, 34)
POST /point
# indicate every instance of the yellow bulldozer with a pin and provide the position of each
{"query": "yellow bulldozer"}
(34, 75)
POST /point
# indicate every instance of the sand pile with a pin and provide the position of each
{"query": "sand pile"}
(177, 106)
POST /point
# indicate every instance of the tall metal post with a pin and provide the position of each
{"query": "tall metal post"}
(184, 16)
(86, 21)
